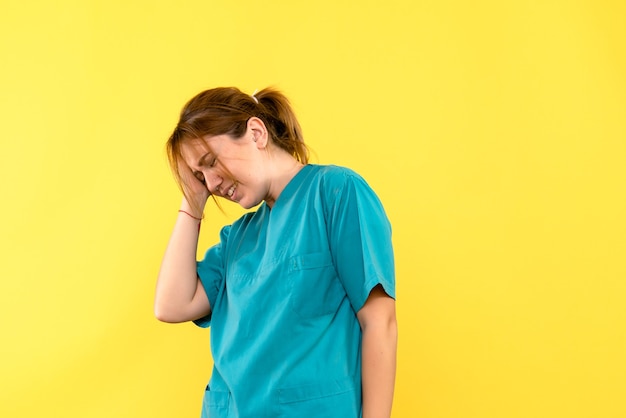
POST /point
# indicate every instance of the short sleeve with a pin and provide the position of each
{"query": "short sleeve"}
(211, 273)
(360, 237)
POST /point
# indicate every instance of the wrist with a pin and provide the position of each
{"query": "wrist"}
(190, 215)
(196, 212)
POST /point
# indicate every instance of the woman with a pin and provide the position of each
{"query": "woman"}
(299, 294)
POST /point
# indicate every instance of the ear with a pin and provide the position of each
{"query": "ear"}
(257, 132)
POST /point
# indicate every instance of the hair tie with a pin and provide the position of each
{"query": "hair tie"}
(254, 97)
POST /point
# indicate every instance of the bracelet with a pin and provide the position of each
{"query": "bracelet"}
(189, 214)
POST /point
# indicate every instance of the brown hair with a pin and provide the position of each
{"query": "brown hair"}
(225, 111)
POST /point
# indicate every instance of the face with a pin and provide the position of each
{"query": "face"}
(234, 169)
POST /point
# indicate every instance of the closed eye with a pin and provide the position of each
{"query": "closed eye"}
(200, 177)
(208, 160)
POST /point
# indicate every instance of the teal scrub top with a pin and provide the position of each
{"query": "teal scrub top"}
(284, 286)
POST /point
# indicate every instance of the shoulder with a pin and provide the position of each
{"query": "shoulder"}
(331, 170)
(331, 177)
(341, 187)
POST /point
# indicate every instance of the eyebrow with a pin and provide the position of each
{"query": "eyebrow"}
(202, 159)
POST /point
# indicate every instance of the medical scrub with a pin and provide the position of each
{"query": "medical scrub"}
(284, 285)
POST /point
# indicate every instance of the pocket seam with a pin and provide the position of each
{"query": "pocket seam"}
(317, 391)
(311, 261)
(217, 399)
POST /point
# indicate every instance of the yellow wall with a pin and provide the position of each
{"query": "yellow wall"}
(493, 131)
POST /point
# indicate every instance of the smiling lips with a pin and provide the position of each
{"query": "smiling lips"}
(231, 190)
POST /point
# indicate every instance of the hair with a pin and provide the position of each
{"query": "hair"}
(225, 111)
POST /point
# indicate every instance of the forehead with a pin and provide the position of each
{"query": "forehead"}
(192, 150)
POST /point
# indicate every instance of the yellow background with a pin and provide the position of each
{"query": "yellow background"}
(493, 131)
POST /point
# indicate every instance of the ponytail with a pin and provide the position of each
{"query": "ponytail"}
(281, 121)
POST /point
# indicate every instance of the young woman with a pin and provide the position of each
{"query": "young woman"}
(299, 294)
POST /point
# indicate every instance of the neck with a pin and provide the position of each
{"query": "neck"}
(285, 168)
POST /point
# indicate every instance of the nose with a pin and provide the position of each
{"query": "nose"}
(213, 181)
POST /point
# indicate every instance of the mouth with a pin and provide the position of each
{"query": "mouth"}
(231, 191)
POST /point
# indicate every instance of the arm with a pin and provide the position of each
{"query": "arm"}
(378, 364)
(180, 295)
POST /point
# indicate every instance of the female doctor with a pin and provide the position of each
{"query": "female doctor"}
(300, 293)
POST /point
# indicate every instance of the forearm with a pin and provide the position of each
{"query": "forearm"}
(177, 280)
(379, 345)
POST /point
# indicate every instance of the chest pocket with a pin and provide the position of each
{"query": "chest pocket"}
(314, 288)
(215, 404)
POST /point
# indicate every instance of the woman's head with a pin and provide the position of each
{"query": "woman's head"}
(228, 112)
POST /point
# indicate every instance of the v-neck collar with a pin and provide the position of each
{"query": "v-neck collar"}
(289, 189)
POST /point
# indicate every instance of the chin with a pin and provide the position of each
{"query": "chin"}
(249, 204)
(245, 205)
